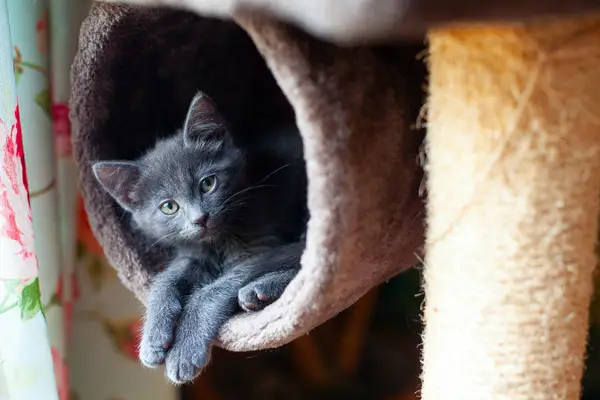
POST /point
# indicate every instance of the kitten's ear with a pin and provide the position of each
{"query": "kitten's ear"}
(118, 179)
(204, 122)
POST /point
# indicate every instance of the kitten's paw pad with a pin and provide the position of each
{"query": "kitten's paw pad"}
(259, 294)
(185, 362)
(253, 298)
(152, 356)
(262, 297)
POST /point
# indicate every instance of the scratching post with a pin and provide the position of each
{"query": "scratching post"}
(513, 178)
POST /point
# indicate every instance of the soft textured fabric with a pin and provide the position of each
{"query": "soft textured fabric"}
(351, 21)
(138, 68)
(513, 181)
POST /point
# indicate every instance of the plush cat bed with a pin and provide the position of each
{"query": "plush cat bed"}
(512, 161)
(137, 70)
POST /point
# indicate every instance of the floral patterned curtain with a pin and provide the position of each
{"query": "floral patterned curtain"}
(26, 368)
(68, 328)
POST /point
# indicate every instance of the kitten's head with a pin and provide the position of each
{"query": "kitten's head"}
(183, 191)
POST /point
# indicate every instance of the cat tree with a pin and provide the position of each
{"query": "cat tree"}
(512, 161)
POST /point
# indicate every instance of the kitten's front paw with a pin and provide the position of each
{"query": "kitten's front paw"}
(188, 356)
(157, 334)
(152, 356)
(254, 297)
(258, 294)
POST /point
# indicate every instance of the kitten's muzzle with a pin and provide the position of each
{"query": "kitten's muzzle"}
(201, 221)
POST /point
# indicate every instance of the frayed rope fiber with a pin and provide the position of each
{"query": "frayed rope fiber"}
(513, 178)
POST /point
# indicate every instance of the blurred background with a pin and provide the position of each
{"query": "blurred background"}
(370, 351)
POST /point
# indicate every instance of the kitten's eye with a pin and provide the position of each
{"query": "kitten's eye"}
(169, 207)
(207, 184)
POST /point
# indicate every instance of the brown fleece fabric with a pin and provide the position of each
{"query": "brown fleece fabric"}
(351, 21)
(134, 75)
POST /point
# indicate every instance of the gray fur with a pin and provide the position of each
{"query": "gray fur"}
(245, 250)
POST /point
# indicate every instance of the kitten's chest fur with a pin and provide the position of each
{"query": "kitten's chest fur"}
(221, 255)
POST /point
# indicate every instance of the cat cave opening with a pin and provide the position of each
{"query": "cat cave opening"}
(154, 63)
(134, 78)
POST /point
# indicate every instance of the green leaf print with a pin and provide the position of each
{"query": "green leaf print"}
(31, 300)
(44, 101)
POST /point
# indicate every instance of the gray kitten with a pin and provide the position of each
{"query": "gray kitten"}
(235, 218)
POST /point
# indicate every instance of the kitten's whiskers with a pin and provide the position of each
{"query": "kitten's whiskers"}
(165, 237)
(244, 191)
(272, 173)
(256, 184)
(232, 206)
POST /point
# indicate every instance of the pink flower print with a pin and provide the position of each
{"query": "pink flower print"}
(20, 151)
(11, 229)
(61, 374)
(16, 230)
(41, 32)
(13, 151)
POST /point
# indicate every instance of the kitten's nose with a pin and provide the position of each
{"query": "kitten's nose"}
(201, 220)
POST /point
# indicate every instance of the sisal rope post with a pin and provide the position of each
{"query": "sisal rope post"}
(513, 179)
